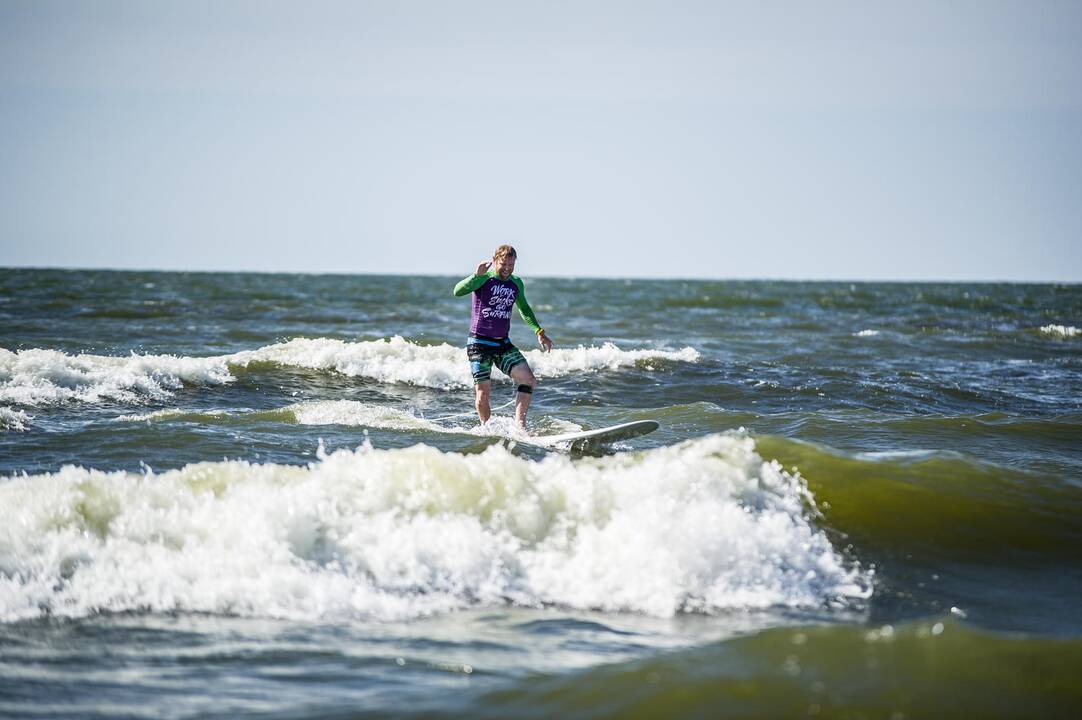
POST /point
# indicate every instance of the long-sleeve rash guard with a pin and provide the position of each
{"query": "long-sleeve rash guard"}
(492, 302)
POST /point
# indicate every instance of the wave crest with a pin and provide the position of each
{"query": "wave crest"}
(701, 526)
(13, 419)
(40, 377)
(1063, 331)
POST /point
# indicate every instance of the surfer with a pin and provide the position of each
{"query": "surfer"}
(495, 291)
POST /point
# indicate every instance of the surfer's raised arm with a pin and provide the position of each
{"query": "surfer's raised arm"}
(471, 283)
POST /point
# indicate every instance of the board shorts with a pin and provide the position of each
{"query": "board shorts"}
(484, 351)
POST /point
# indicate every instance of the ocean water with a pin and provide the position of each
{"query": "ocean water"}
(250, 495)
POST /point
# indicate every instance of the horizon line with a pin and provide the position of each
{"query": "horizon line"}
(653, 278)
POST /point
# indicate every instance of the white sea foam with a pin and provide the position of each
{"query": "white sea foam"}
(367, 415)
(441, 366)
(11, 419)
(38, 377)
(562, 362)
(359, 414)
(701, 526)
(866, 333)
(1064, 331)
(315, 412)
(392, 361)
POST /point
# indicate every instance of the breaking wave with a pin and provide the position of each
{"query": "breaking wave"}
(1063, 331)
(702, 526)
(39, 377)
(13, 419)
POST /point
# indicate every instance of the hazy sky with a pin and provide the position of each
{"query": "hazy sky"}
(848, 140)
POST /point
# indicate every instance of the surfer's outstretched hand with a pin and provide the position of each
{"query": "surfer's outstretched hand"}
(544, 341)
(483, 267)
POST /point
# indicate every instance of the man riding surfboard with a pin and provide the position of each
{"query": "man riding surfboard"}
(495, 291)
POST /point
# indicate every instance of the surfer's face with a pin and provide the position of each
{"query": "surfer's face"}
(504, 266)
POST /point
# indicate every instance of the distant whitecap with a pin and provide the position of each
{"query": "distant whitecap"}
(1064, 331)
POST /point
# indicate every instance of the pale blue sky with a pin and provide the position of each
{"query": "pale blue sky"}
(827, 140)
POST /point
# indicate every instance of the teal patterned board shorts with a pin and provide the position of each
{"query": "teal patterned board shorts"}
(483, 352)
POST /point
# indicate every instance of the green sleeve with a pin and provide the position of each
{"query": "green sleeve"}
(470, 283)
(524, 308)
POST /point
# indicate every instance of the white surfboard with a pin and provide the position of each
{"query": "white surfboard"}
(595, 438)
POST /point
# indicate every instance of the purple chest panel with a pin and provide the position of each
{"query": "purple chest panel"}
(492, 303)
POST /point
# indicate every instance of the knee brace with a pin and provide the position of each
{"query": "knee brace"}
(525, 389)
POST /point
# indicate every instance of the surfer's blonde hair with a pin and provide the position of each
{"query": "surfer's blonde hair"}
(504, 250)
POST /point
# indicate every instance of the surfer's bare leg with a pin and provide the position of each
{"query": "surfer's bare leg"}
(483, 392)
(523, 377)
